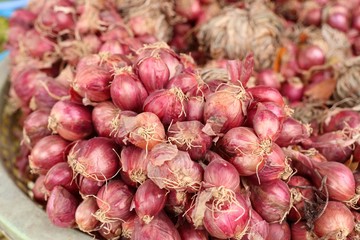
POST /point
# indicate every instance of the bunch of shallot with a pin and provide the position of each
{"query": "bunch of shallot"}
(129, 139)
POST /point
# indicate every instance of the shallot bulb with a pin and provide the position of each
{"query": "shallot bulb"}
(302, 194)
(103, 116)
(258, 227)
(173, 169)
(229, 177)
(61, 207)
(60, 175)
(310, 56)
(195, 108)
(89, 186)
(272, 200)
(70, 120)
(134, 162)
(47, 152)
(84, 215)
(147, 131)
(336, 222)
(225, 109)
(188, 136)
(293, 132)
(153, 73)
(114, 201)
(340, 119)
(93, 83)
(188, 232)
(149, 200)
(270, 78)
(222, 218)
(160, 228)
(279, 231)
(266, 94)
(96, 158)
(168, 104)
(35, 127)
(127, 92)
(39, 191)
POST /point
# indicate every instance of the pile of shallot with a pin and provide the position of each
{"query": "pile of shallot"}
(129, 139)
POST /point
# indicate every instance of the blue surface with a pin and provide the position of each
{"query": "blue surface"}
(7, 7)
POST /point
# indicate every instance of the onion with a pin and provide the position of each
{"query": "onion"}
(112, 47)
(227, 220)
(239, 141)
(114, 201)
(111, 230)
(149, 200)
(188, 232)
(39, 191)
(338, 17)
(303, 193)
(279, 231)
(93, 83)
(35, 127)
(70, 120)
(25, 84)
(121, 125)
(225, 108)
(103, 115)
(177, 201)
(153, 73)
(60, 175)
(160, 50)
(188, 136)
(189, 81)
(38, 46)
(335, 146)
(276, 166)
(340, 119)
(47, 152)
(173, 169)
(160, 228)
(293, 89)
(258, 228)
(23, 18)
(133, 165)
(61, 207)
(292, 132)
(268, 77)
(355, 233)
(47, 93)
(229, 177)
(299, 231)
(128, 227)
(148, 131)
(56, 17)
(266, 94)
(88, 186)
(195, 108)
(334, 178)
(310, 56)
(84, 215)
(266, 125)
(168, 104)
(96, 158)
(127, 92)
(336, 222)
(281, 112)
(272, 200)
